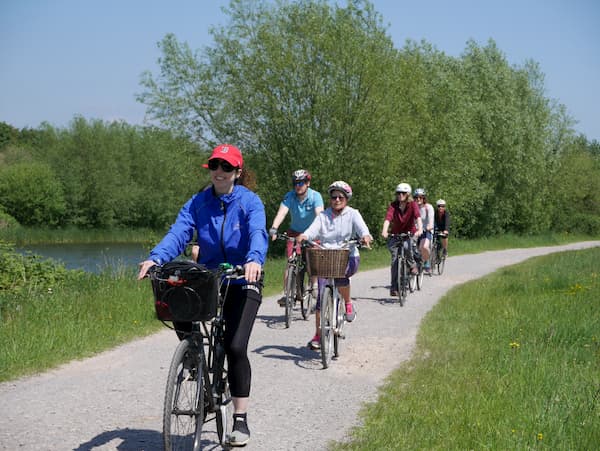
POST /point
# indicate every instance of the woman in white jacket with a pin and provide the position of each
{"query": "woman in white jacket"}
(332, 227)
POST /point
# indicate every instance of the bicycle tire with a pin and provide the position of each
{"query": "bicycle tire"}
(402, 282)
(420, 277)
(184, 409)
(290, 294)
(433, 260)
(306, 297)
(412, 280)
(441, 265)
(339, 325)
(225, 408)
(327, 326)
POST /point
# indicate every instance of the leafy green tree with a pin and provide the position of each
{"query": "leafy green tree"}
(577, 189)
(297, 84)
(31, 193)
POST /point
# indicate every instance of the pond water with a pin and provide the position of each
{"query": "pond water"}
(91, 257)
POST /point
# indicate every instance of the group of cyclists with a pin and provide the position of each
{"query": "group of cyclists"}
(229, 223)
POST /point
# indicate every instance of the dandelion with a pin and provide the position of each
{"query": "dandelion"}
(573, 290)
(540, 436)
(515, 345)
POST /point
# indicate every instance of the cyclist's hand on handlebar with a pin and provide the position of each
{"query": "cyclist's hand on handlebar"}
(252, 271)
(367, 240)
(273, 233)
(385, 234)
(144, 267)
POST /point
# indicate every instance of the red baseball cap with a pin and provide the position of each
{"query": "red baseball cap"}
(229, 153)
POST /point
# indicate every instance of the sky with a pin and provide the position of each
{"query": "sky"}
(65, 58)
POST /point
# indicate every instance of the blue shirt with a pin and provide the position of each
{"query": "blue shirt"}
(302, 212)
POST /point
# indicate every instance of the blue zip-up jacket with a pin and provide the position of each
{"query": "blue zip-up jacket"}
(231, 228)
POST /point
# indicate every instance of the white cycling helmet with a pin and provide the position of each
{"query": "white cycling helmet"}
(342, 186)
(440, 203)
(419, 192)
(301, 174)
(403, 188)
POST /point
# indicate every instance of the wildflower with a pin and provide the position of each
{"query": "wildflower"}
(573, 290)
(515, 345)
(540, 436)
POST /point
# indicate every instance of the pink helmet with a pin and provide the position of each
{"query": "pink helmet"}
(342, 186)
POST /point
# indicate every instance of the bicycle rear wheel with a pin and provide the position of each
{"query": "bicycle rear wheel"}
(184, 409)
(290, 295)
(327, 326)
(307, 298)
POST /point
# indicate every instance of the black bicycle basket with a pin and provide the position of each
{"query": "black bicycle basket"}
(185, 291)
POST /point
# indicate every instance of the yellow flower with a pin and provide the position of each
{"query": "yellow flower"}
(515, 345)
(540, 436)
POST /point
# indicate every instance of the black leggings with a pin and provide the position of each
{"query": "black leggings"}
(240, 310)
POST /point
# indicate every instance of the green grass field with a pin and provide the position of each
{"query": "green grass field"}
(510, 362)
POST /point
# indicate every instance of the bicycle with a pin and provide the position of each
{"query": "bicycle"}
(407, 281)
(197, 389)
(330, 264)
(298, 286)
(437, 258)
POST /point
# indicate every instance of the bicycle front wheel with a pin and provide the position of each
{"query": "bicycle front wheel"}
(184, 409)
(339, 326)
(225, 405)
(327, 326)
(441, 264)
(402, 282)
(290, 295)
(433, 260)
(420, 277)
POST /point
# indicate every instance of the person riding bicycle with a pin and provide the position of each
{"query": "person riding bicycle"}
(230, 222)
(332, 227)
(304, 204)
(404, 216)
(442, 223)
(427, 213)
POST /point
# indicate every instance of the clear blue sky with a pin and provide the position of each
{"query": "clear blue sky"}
(63, 58)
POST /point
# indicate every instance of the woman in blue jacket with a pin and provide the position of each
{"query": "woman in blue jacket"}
(230, 223)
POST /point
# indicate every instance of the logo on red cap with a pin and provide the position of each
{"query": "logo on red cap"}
(229, 153)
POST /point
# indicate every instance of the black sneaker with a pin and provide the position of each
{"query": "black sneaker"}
(240, 434)
(281, 301)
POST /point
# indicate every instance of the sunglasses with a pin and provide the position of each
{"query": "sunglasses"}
(215, 163)
(337, 197)
(300, 183)
(400, 193)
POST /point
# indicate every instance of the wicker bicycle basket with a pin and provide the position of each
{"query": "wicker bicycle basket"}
(327, 263)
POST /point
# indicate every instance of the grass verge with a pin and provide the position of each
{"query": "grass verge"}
(510, 361)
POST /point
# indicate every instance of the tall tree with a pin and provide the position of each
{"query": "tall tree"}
(298, 84)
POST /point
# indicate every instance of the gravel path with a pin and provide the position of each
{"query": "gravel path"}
(114, 401)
